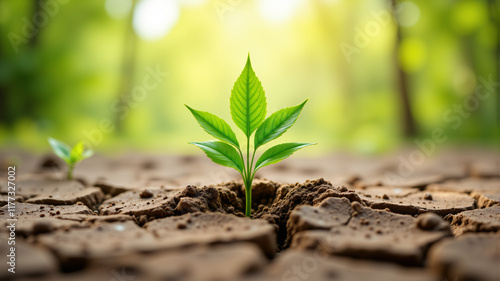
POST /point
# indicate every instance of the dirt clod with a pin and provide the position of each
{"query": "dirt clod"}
(431, 221)
(469, 257)
(33, 220)
(314, 266)
(331, 212)
(146, 193)
(478, 220)
(356, 206)
(207, 229)
(395, 238)
(442, 203)
(164, 202)
(288, 197)
(42, 227)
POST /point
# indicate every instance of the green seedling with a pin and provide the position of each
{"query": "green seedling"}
(248, 111)
(70, 155)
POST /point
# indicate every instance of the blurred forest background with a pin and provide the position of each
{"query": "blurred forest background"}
(379, 73)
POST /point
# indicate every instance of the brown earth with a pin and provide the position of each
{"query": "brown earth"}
(343, 217)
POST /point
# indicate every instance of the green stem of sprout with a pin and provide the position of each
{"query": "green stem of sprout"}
(248, 197)
(70, 172)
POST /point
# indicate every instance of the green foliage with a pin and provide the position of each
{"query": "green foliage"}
(70, 155)
(248, 102)
(215, 126)
(277, 153)
(222, 154)
(277, 124)
(248, 111)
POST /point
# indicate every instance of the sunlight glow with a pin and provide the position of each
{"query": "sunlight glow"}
(412, 54)
(118, 9)
(278, 11)
(153, 19)
(192, 3)
(409, 13)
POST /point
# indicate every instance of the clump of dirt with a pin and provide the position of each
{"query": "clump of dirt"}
(431, 221)
(149, 204)
(263, 192)
(288, 197)
(212, 228)
(49, 163)
(478, 220)
(207, 199)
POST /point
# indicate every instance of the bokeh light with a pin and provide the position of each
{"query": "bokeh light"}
(118, 8)
(409, 13)
(153, 19)
(279, 11)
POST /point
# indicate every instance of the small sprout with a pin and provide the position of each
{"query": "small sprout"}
(70, 155)
(248, 111)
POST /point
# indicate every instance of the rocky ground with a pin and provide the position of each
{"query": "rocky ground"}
(339, 217)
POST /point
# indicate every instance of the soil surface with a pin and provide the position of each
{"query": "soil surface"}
(341, 217)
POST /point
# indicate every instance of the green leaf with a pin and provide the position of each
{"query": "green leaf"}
(278, 153)
(248, 101)
(215, 126)
(87, 153)
(61, 149)
(222, 154)
(277, 124)
(79, 153)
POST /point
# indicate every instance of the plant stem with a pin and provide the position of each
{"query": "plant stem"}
(248, 197)
(248, 183)
(248, 157)
(244, 175)
(251, 165)
(70, 172)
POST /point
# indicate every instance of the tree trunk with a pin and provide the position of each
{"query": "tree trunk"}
(494, 8)
(128, 69)
(37, 7)
(408, 120)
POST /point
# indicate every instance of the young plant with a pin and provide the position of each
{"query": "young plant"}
(70, 155)
(248, 111)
